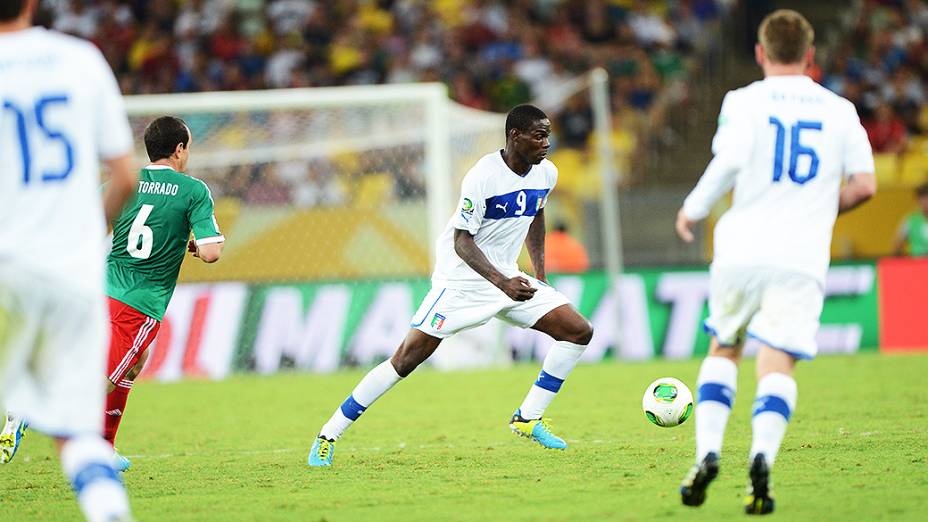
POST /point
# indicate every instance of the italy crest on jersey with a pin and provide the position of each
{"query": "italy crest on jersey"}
(437, 321)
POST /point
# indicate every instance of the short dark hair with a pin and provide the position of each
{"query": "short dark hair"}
(922, 190)
(522, 117)
(11, 9)
(163, 135)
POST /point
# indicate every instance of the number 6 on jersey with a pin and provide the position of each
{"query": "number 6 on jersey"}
(139, 232)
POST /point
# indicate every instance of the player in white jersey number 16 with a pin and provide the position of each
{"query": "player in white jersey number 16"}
(772, 246)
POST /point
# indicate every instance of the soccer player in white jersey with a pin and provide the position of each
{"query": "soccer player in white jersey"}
(476, 278)
(60, 114)
(796, 155)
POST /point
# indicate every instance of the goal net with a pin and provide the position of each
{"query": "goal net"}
(328, 183)
(330, 200)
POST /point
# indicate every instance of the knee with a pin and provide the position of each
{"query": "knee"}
(403, 363)
(580, 334)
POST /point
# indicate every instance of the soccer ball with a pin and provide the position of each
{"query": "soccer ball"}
(667, 402)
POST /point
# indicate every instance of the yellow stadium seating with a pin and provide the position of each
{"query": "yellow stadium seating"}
(914, 170)
(887, 168)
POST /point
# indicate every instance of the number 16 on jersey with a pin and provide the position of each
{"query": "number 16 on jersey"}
(796, 150)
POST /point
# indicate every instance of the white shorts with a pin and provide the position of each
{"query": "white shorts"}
(779, 309)
(446, 311)
(52, 353)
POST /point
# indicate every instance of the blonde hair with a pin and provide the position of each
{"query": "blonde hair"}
(785, 36)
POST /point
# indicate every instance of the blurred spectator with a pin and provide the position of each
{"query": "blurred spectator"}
(319, 188)
(575, 123)
(563, 253)
(881, 65)
(492, 54)
(886, 130)
(268, 188)
(914, 230)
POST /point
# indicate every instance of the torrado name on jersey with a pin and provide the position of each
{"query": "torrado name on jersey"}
(156, 187)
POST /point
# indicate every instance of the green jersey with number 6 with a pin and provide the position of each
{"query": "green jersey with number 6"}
(150, 238)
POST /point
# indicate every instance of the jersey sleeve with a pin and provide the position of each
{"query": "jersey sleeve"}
(112, 133)
(472, 205)
(734, 134)
(858, 156)
(202, 218)
(731, 148)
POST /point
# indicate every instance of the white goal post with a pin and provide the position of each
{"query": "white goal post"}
(434, 122)
(367, 173)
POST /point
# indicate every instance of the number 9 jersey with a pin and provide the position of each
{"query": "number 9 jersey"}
(150, 238)
(785, 144)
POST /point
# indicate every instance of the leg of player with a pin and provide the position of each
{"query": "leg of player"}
(773, 406)
(12, 435)
(716, 383)
(116, 400)
(413, 351)
(87, 462)
(572, 333)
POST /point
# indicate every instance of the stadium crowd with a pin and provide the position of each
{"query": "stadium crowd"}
(881, 64)
(491, 54)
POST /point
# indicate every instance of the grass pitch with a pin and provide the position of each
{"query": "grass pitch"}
(437, 447)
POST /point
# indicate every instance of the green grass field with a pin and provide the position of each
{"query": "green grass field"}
(437, 447)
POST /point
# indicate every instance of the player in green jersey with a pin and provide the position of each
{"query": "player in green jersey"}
(149, 241)
(914, 230)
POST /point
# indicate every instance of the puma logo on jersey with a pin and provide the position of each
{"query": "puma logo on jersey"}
(502, 206)
(114, 413)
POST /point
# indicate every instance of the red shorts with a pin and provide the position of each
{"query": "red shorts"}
(131, 334)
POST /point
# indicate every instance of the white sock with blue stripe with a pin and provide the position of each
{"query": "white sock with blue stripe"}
(717, 382)
(372, 386)
(88, 463)
(558, 364)
(775, 402)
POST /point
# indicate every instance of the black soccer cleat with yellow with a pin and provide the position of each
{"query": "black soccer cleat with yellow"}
(759, 500)
(693, 488)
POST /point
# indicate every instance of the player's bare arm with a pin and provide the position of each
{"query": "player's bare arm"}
(684, 226)
(535, 244)
(517, 288)
(209, 253)
(858, 189)
(123, 181)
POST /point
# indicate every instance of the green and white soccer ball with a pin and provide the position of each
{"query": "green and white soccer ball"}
(667, 402)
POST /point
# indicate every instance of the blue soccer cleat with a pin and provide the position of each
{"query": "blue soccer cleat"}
(119, 462)
(12, 435)
(539, 430)
(321, 453)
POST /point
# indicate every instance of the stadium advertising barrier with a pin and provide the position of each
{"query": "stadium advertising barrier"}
(211, 330)
(903, 295)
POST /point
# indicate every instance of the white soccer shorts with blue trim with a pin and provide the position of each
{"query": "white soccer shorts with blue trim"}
(778, 308)
(446, 311)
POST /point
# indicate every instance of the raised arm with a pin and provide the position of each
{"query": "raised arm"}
(535, 244)
(517, 288)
